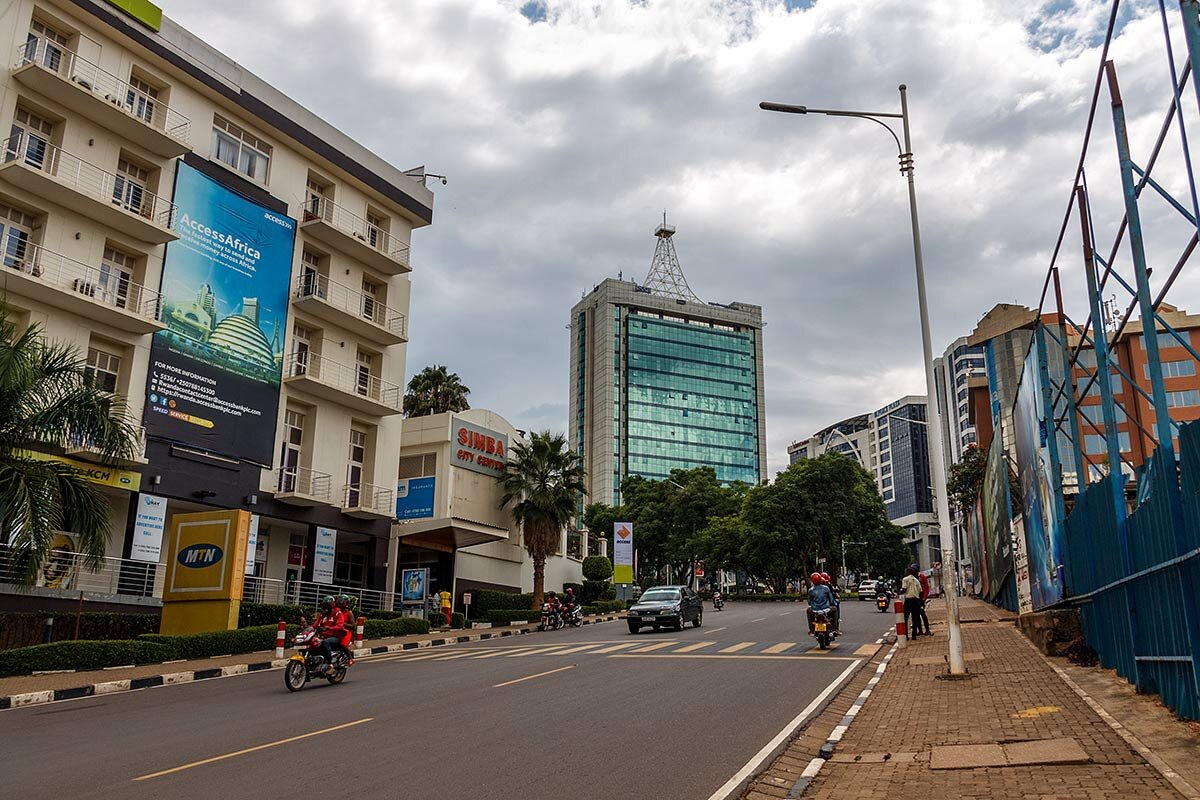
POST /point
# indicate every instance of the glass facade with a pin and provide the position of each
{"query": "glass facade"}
(904, 480)
(687, 397)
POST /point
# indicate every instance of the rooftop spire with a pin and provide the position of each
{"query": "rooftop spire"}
(666, 277)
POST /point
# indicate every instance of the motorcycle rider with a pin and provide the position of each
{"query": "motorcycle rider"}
(346, 607)
(837, 602)
(716, 598)
(820, 598)
(331, 627)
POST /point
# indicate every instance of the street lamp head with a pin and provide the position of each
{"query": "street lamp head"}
(783, 108)
(903, 87)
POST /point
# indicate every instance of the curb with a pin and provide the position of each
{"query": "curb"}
(191, 676)
(835, 736)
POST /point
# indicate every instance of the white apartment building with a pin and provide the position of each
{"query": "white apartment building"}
(231, 263)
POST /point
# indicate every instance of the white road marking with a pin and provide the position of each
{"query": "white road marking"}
(714, 630)
(531, 677)
(760, 619)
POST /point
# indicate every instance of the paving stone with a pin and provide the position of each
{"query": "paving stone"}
(967, 756)
(1045, 751)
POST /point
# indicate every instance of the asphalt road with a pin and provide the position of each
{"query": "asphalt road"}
(580, 713)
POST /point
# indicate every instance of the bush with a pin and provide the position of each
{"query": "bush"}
(597, 568)
(485, 600)
(610, 606)
(457, 620)
(251, 615)
(81, 655)
(219, 643)
(437, 619)
(506, 616)
(381, 614)
(766, 598)
(398, 626)
(23, 629)
(590, 611)
(594, 590)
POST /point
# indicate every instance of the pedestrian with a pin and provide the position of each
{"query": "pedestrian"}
(910, 587)
(434, 602)
(924, 598)
(445, 596)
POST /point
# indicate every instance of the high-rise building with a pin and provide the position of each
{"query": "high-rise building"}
(953, 372)
(901, 439)
(661, 380)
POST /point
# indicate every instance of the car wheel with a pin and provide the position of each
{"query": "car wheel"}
(699, 620)
(634, 628)
(681, 622)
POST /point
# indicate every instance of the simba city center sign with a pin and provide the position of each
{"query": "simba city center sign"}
(479, 449)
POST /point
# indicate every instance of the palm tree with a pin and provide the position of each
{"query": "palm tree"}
(543, 484)
(434, 390)
(47, 400)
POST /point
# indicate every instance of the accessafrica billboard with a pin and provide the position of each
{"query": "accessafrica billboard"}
(215, 371)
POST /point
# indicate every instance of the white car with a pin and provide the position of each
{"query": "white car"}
(866, 590)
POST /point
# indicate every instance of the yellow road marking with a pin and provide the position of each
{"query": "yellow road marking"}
(541, 651)
(779, 648)
(692, 647)
(832, 646)
(578, 649)
(615, 648)
(453, 656)
(656, 646)
(252, 749)
(867, 650)
(736, 647)
(531, 677)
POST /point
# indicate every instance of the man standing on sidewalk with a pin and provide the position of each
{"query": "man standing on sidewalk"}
(445, 596)
(924, 579)
(910, 588)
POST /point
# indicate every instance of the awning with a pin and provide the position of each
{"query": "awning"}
(448, 534)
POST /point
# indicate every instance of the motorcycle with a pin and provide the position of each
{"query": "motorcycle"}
(573, 615)
(552, 620)
(306, 664)
(822, 628)
(718, 601)
(881, 601)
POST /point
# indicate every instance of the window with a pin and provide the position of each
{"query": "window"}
(301, 347)
(349, 569)
(103, 368)
(376, 230)
(45, 46)
(1166, 339)
(240, 150)
(293, 448)
(17, 251)
(1173, 369)
(371, 306)
(418, 466)
(1094, 443)
(129, 187)
(141, 99)
(1188, 397)
(357, 457)
(29, 138)
(367, 384)
(314, 204)
(116, 274)
(313, 281)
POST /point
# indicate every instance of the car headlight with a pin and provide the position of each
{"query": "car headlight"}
(675, 608)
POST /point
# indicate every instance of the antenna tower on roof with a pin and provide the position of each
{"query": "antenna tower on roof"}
(666, 277)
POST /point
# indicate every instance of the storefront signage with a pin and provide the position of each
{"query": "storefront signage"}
(479, 449)
(206, 554)
(414, 497)
(622, 552)
(93, 473)
(148, 528)
(252, 545)
(214, 372)
(323, 555)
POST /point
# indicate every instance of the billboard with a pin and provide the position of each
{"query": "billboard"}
(413, 584)
(1035, 472)
(214, 372)
(997, 522)
(479, 449)
(206, 556)
(414, 497)
(622, 552)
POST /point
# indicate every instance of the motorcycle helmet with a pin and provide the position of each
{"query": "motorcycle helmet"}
(328, 601)
(815, 579)
(825, 578)
(344, 601)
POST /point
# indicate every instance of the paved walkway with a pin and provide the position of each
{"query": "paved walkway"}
(1033, 735)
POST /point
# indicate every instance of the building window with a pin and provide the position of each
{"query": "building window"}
(141, 99)
(316, 193)
(367, 384)
(29, 138)
(301, 348)
(130, 186)
(355, 467)
(103, 368)
(349, 569)
(1188, 397)
(371, 301)
(1094, 443)
(418, 466)
(377, 225)
(313, 270)
(240, 150)
(1166, 339)
(292, 450)
(16, 230)
(1173, 369)
(116, 275)
(46, 46)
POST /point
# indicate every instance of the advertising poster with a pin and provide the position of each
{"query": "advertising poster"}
(414, 584)
(214, 372)
(148, 528)
(252, 545)
(997, 525)
(1035, 472)
(622, 552)
(414, 498)
(61, 568)
(323, 555)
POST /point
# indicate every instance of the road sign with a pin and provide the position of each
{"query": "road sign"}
(466, 598)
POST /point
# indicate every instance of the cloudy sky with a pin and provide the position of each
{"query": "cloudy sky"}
(566, 127)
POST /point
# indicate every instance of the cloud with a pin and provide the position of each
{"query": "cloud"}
(567, 126)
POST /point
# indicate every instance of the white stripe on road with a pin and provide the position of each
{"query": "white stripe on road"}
(656, 646)
(785, 613)
(760, 619)
(614, 648)
(531, 677)
(714, 630)
(733, 784)
(507, 651)
(736, 647)
(693, 647)
(578, 649)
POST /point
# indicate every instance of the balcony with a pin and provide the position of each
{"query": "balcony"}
(37, 166)
(368, 501)
(64, 283)
(83, 447)
(78, 84)
(358, 313)
(344, 230)
(299, 486)
(321, 377)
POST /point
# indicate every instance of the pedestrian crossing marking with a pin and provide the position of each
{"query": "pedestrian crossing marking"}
(736, 647)
(655, 646)
(693, 647)
(867, 650)
(507, 651)
(578, 649)
(452, 656)
(614, 648)
(778, 648)
(541, 651)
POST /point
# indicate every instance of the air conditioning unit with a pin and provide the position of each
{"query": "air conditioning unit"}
(86, 288)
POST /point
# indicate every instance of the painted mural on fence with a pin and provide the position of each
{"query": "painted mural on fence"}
(1035, 474)
(997, 526)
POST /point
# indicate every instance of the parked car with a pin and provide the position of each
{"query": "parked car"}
(866, 590)
(666, 605)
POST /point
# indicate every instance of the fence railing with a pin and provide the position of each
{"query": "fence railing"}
(351, 224)
(88, 179)
(264, 590)
(369, 496)
(65, 570)
(301, 480)
(343, 378)
(309, 594)
(343, 298)
(74, 443)
(106, 86)
(105, 286)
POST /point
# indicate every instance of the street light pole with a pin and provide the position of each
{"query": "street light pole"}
(844, 543)
(934, 439)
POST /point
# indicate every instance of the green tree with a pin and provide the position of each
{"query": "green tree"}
(965, 481)
(435, 390)
(544, 479)
(47, 400)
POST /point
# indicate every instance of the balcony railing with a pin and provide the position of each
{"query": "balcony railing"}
(66, 571)
(309, 595)
(343, 378)
(107, 87)
(303, 481)
(316, 286)
(88, 179)
(105, 286)
(369, 497)
(349, 223)
(74, 443)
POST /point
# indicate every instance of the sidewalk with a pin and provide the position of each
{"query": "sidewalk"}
(35, 689)
(1013, 729)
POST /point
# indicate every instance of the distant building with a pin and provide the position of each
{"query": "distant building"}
(850, 437)
(661, 380)
(901, 438)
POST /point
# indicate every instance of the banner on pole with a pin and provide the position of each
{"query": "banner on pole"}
(323, 555)
(622, 552)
